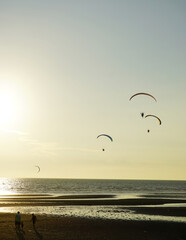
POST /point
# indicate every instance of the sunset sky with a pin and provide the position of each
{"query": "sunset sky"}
(67, 71)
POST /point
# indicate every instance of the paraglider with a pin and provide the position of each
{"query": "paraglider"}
(143, 94)
(38, 169)
(142, 114)
(105, 135)
(150, 115)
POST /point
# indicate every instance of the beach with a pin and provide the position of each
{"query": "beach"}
(59, 227)
(76, 228)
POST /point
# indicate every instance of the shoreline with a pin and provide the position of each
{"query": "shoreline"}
(98, 206)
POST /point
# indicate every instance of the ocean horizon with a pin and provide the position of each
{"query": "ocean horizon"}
(88, 186)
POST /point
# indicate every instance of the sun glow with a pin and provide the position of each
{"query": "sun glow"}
(7, 108)
(10, 108)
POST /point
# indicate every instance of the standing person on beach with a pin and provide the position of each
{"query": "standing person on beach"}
(33, 219)
(18, 220)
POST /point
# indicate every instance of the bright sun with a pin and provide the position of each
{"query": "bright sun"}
(10, 108)
(7, 108)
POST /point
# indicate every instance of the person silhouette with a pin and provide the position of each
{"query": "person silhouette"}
(34, 219)
(18, 220)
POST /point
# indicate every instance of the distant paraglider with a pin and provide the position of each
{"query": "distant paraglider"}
(38, 169)
(142, 114)
(105, 135)
(147, 94)
(150, 115)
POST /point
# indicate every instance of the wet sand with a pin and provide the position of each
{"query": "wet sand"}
(83, 200)
(81, 228)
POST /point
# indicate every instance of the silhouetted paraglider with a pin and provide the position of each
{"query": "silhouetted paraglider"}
(105, 135)
(150, 115)
(38, 169)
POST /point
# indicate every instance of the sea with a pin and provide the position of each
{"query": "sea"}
(107, 189)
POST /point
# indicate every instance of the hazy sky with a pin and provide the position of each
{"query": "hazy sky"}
(67, 71)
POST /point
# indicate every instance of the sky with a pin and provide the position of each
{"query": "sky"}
(67, 72)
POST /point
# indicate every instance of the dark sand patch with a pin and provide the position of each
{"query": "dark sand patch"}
(161, 211)
(57, 201)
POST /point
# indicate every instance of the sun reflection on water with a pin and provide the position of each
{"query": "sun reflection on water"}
(6, 186)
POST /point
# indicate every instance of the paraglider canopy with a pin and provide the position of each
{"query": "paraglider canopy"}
(150, 115)
(105, 135)
(142, 93)
(38, 169)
